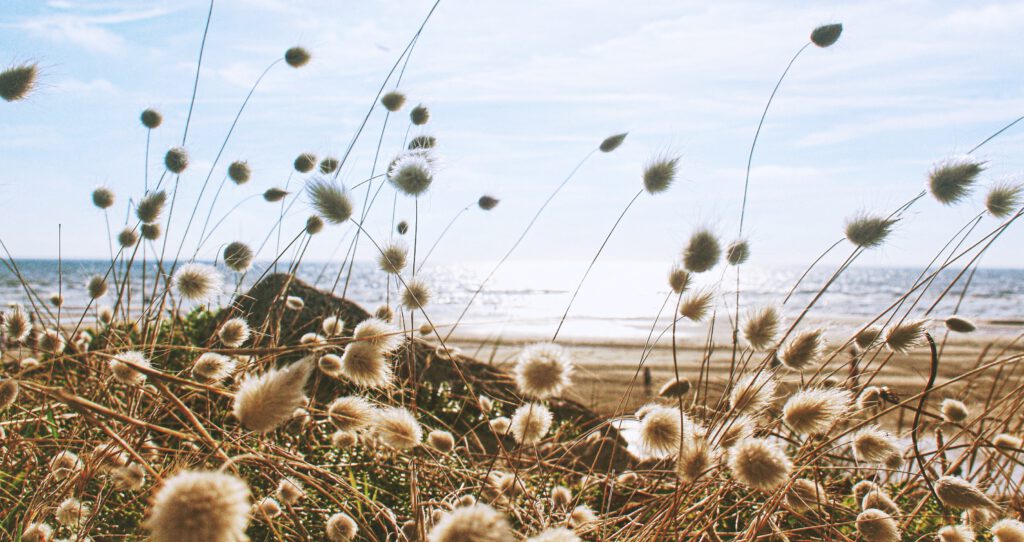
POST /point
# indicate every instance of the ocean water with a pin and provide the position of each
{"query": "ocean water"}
(618, 302)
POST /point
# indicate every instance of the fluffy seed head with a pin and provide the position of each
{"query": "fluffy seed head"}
(37, 532)
(1006, 441)
(344, 439)
(273, 195)
(422, 142)
(332, 326)
(500, 425)
(397, 428)
(65, 465)
(826, 35)
(122, 367)
(659, 174)
(487, 202)
(297, 57)
(364, 364)
(952, 180)
(752, 393)
(695, 306)
(51, 342)
(874, 445)
(150, 232)
(264, 402)
(290, 490)
(411, 173)
(543, 370)
(351, 413)
(234, 333)
(103, 197)
(877, 526)
(761, 327)
(149, 208)
(612, 142)
(954, 411)
(329, 165)
(16, 82)
(72, 513)
(341, 528)
(868, 231)
(660, 430)
(393, 101)
(329, 200)
(314, 225)
(17, 324)
(239, 172)
(294, 303)
(960, 325)
(862, 488)
(804, 495)
(305, 162)
(402, 228)
(416, 295)
(695, 458)
(442, 441)
(268, 507)
(581, 517)
(213, 367)
(814, 411)
(879, 500)
(737, 252)
(392, 258)
(419, 115)
(237, 256)
(561, 496)
(956, 533)
(1003, 199)
(734, 430)
(176, 160)
(759, 463)
(675, 388)
(127, 238)
(379, 333)
(105, 314)
(871, 397)
(199, 507)
(530, 423)
(197, 282)
(1008, 530)
(476, 523)
(903, 337)
(129, 478)
(959, 493)
(803, 350)
(8, 392)
(702, 252)
(151, 118)
(678, 279)
(558, 534)
(97, 287)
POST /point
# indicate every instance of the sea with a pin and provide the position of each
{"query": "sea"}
(619, 300)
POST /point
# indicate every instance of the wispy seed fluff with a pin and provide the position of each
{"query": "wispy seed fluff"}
(127, 238)
(877, 526)
(804, 495)
(803, 350)
(1003, 199)
(341, 528)
(344, 439)
(197, 282)
(314, 225)
(582, 517)
(759, 463)
(332, 326)
(297, 57)
(752, 393)
(237, 256)
(199, 507)
(72, 513)
(239, 172)
(675, 388)
(659, 174)
(868, 231)
(267, 507)
(959, 493)
(422, 142)
(176, 160)
(351, 413)
(678, 279)
(213, 367)
(442, 441)
(364, 364)
(951, 181)
(814, 411)
(412, 173)
(379, 333)
(696, 305)
(290, 490)
(956, 533)
(397, 428)
(65, 465)
(702, 252)
(959, 324)
(826, 35)
(103, 197)
(51, 342)
(122, 367)
(37, 532)
(416, 295)
(558, 534)
(530, 423)
(264, 402)
(903, 337)
(737, 252)
(543, 370)
(150, 232)
(17, 324)
(476, 523)
(954, 411)
(1008, 530)
(761, 327)
(660, 430)
(392, 258)
(8, 392)
(500, 425)
(273, 195)
(419, 115)
(149, 208)
(329, 200)
(695, 457)
(97, 287)
(874, 445)
(234, 332)
(17, 82)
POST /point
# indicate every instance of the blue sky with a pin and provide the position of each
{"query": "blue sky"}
(519, 92)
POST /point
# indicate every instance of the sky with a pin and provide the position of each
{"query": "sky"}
(519, 93)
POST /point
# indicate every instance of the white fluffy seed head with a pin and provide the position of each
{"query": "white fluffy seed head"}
(814, 411)
(341, 528)
(695, 458)
(878, 499)
(294, 303)
(332, 326)
(1008, 530)
(65, 465)
(561, 496)
(392, 258)
(956, 533)
(397, 428)
(874, 445)
(264, 402)
(351, 413)
(129, 478)
(17, 324)
(9, 390)
(344, 439)
(364, 364)
(412, 173)
(695, 306)
(51, 342)
(416, 295)
(122, 366)
(213, 367)
(378, 332)
(268, 507)
(877, 526)
(804, 495)
(500, 425)
(954, 411)
(72, 513)
(959, 493)
(753, 393)
(442, 441)
(530, 423)
(290, 490)
(759, 464)
(37, 532)
(557, 534)
(97, 287)
(543, 370)
(330, 364)
(803, 350)
(761, 327)
(904, 337)
(234, 332)
(196, 506)
(197, 282)
(660, 430)
(476, 523)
